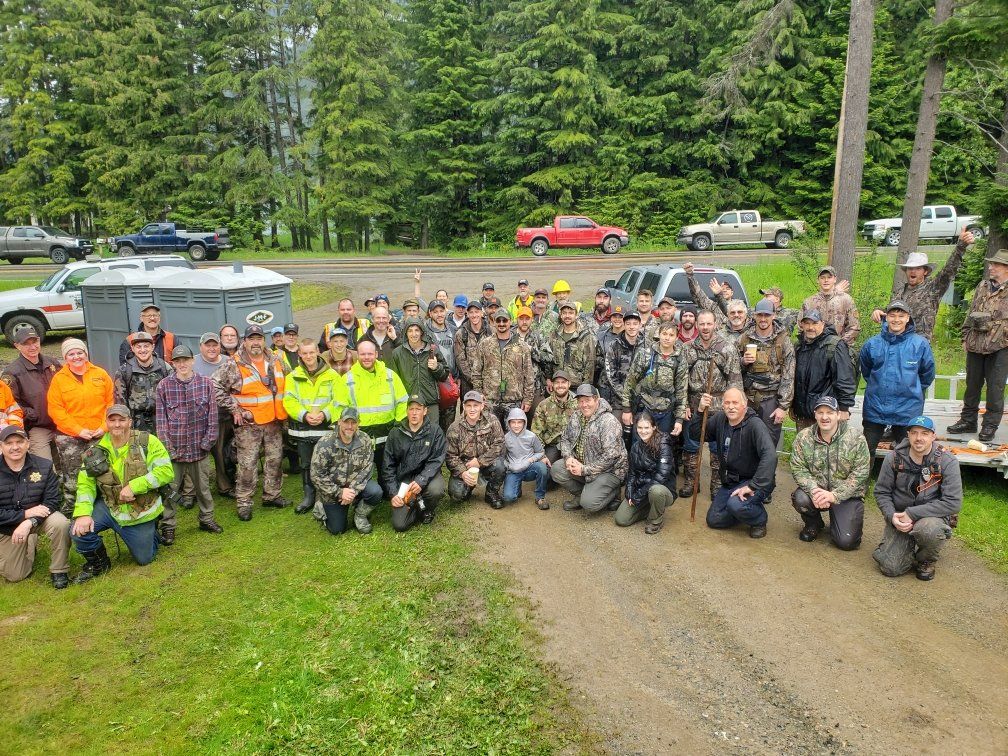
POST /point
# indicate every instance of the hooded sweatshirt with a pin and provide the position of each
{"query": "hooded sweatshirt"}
(524, 449)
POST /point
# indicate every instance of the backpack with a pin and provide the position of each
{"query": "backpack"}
(831, 347)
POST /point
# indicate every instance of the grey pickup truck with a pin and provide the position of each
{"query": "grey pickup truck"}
(19, 242)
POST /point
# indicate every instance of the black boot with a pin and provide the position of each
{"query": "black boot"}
(96, 563)
(293, 461)
(493, 497)
(308, 500)
(963, 426)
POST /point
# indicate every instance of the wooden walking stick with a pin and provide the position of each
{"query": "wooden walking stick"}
(703, 435)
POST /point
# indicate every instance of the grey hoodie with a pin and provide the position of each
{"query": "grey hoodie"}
(521, 450)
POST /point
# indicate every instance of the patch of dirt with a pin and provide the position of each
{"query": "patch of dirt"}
(703, 641)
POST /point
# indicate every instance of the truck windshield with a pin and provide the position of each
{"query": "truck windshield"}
(50, 282)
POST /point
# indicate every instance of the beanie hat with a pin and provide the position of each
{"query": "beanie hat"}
(69, 344)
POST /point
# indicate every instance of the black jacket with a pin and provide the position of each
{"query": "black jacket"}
(930, 489)
(746, 451)
(412, 456)
(650, 468)
(817, 375)
(36, 483)
(30, 386)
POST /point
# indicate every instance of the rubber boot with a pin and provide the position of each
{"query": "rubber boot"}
(96, 563)
(715, 474)
(493, 496)
(689, 468)
(308, 500)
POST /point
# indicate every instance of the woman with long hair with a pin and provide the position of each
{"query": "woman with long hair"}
(650, 485)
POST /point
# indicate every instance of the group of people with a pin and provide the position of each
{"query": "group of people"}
(608, 404)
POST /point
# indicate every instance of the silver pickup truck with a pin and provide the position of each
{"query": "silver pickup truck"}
(19, 242)
(739, 227)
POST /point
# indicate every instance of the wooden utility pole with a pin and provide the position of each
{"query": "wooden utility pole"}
(851, 138)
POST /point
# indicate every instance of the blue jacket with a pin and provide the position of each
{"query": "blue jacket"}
(897, 370)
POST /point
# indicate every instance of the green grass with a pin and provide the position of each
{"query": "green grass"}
(277, 637)
(983, 524)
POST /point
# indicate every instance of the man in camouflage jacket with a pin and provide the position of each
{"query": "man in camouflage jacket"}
(136, 381)
(503, 371)
(475, 447)
(730, 314)
(467, 338)
(552, 414)
(835, 306)
(768, 368)
(341, 469)
(572, 345)
(657, 380)
(831, 465)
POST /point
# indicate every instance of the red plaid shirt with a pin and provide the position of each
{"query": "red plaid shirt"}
(186, 415)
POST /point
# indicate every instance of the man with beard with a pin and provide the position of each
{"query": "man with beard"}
(467, 338)
(687, 324)
(522, 299)
(420, 366)
(823, 367)
(600, 314)
(475, 446)
(572, 346)
(503, 370)
(784, 316)
(552, 414)
(768, 368)
(251, 388)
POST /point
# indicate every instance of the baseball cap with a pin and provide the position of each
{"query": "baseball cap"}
(524, 312)
(369, 300)
(502, 314)
(381, 298)
(338, 331)
(349, 413)
(435, 303)
(632, 315)
(461, 300)
(209, 336)
(142, 336)
(474, 305)
(898, 304)
(493, 302)
(560, 373)
(150, 306)
(254, 330)
(827, 269)
(416, 399)
(472, 396)
(602, 290)
(617, 311)
(667, 300)
(290, 328)
(568, 305)
(827, 401)
(586, 389)
(764, 307)
(276, 331)
(812, 315)
(180, 352)
(489, 285)
(537, 292)
(773, 291)
(922, 421)
(12, 430)
(117, 409)
(411, 302)
(523, 282)
(21, 335)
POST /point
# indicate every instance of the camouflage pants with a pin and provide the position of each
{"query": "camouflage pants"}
(71, 453)
(253, 441)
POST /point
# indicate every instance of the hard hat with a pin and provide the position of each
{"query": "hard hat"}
(561, 285)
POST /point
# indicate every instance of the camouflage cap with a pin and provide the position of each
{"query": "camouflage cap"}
(502, 314)
(411, 302)
(181, 352)
(350, 413)
(773, 291)
(568, 305)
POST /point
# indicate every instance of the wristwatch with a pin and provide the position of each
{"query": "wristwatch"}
(34, 521)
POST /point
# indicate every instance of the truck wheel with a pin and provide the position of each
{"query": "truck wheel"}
(540, 247)
(59, 256)
(610, 245)
(892, 238)
(197, 253)
(213, 255)
(701, 243)
(17, 322)
(782, 240)
(126, 251)
(15, 260)
(978, 233)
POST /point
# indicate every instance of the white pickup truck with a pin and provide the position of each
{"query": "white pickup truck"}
(739, 227)
(937, 222)
(55, 304)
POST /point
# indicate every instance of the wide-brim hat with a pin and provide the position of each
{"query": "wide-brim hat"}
(917, 260)
(1001, 256)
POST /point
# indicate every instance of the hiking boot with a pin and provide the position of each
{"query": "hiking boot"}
(362, 523)
(571, 505)
(809, 533)
(278, 503)
(689, 466)
(493, 498)
(613, 505)
(925, 570)
(653, 527)
(987, 434)
(963, 426)
(542, 504)
(96, 563)
(59, 580)
(757, 531)
(167, 536)
(244, 513)
(428, 516)
(211, 526)
(308, 500)
(229, 494)
(187, 502)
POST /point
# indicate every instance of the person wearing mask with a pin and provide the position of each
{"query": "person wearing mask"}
(831, 465)
(229, 340)
(768, 368)
(553, 414)
(78, 396)
(28, 378)
(823, 367)
(503, 370)
(186, 414)
(919, 491)
(382, 333)
(118, 488)
(419, 364)
(898, 366)
(311, 407)
(650, 484)
(414, 453)
(835, 306)
(593, 461)
(656, 380)
(338, 356)
(475, 446)
(137, 379)
(251, 388)
(30, 506)
(467, 339)
(748, 464)
(525, 460)
(150, 323)
(341, 469)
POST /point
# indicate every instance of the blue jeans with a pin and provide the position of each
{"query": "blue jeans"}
(141, 540)
(727, 510)
(537, 471)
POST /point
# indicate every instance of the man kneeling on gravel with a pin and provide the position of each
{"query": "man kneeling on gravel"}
(919, 491)
(475, 447)
(831, 464)
(593, 461)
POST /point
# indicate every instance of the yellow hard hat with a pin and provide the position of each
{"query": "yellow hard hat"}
(561, 285)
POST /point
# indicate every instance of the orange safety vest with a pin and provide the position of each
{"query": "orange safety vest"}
(262, 395)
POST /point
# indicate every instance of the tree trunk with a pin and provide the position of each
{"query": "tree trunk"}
(851, 138)
(920, 159)
(998, 239)
(425, 233)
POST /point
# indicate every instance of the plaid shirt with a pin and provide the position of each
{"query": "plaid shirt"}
(186, 414)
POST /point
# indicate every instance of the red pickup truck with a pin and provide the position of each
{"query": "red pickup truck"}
(572, 231)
